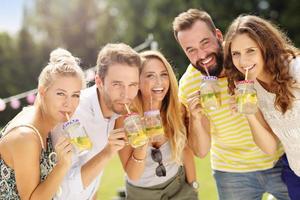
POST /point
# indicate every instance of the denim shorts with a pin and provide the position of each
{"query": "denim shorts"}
(251, 185)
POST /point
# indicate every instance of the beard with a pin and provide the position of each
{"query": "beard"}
(216, 69)
(113, 106)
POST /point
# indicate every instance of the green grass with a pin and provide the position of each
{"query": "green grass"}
(113, 179)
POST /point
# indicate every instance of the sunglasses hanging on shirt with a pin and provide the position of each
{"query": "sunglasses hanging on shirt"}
(157, 157)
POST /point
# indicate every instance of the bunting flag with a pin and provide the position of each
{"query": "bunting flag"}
(30, 98)
(15, 103)
(2, 105)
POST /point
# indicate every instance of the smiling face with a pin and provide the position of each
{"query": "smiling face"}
(61, 98)
(154, 80)
(203, 47)
(246, 54)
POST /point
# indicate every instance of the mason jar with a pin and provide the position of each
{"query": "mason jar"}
(246, 97)
(153, 123)
(210, 93)
(78, 135)
(135, 130)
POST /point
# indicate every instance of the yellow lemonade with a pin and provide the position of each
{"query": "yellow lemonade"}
(154, 131)
(211, 101)
(247, 103)
(137, 139)
(82, 143)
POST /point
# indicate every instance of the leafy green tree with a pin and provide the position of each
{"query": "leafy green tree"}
(8, 64)
(83, 27)
(8, 72)
(80, 26)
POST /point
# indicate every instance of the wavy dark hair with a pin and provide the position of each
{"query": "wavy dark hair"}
(277, 51)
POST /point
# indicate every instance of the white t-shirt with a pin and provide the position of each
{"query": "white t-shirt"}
(90, 116)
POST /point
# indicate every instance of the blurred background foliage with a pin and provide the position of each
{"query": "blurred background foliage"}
(83, 27)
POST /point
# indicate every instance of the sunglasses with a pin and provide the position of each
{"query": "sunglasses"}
(157, 157)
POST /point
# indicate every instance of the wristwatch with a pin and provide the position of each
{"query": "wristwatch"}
(195, 185)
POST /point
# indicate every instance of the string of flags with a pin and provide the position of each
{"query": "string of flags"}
(15, 103)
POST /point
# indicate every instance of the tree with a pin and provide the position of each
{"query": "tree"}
(81, 26)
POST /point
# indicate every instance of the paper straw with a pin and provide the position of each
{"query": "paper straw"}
(127, 108)
(246, 78)
(67, 116)
(206, 70)
(150, 102)
(246, 74)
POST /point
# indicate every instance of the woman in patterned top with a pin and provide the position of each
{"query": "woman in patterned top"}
(255, 45)
(25, 145)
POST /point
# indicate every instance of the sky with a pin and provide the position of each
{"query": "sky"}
(11, 15)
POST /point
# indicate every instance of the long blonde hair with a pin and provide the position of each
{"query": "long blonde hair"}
(170, 109)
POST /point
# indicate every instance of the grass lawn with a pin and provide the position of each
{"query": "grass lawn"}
(113, 179)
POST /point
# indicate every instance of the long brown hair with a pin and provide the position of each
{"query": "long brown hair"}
(170, 109)
(277, 51)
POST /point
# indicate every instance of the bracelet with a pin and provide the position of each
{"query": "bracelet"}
(136, 160)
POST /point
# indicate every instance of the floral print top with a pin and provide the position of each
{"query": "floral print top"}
(8, 186)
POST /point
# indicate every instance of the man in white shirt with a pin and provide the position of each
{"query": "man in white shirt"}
(116, 84)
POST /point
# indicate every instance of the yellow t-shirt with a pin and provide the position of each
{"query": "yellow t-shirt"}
(233, 148)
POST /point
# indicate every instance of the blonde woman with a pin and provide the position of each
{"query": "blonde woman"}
(155, 171)
(25, 145)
